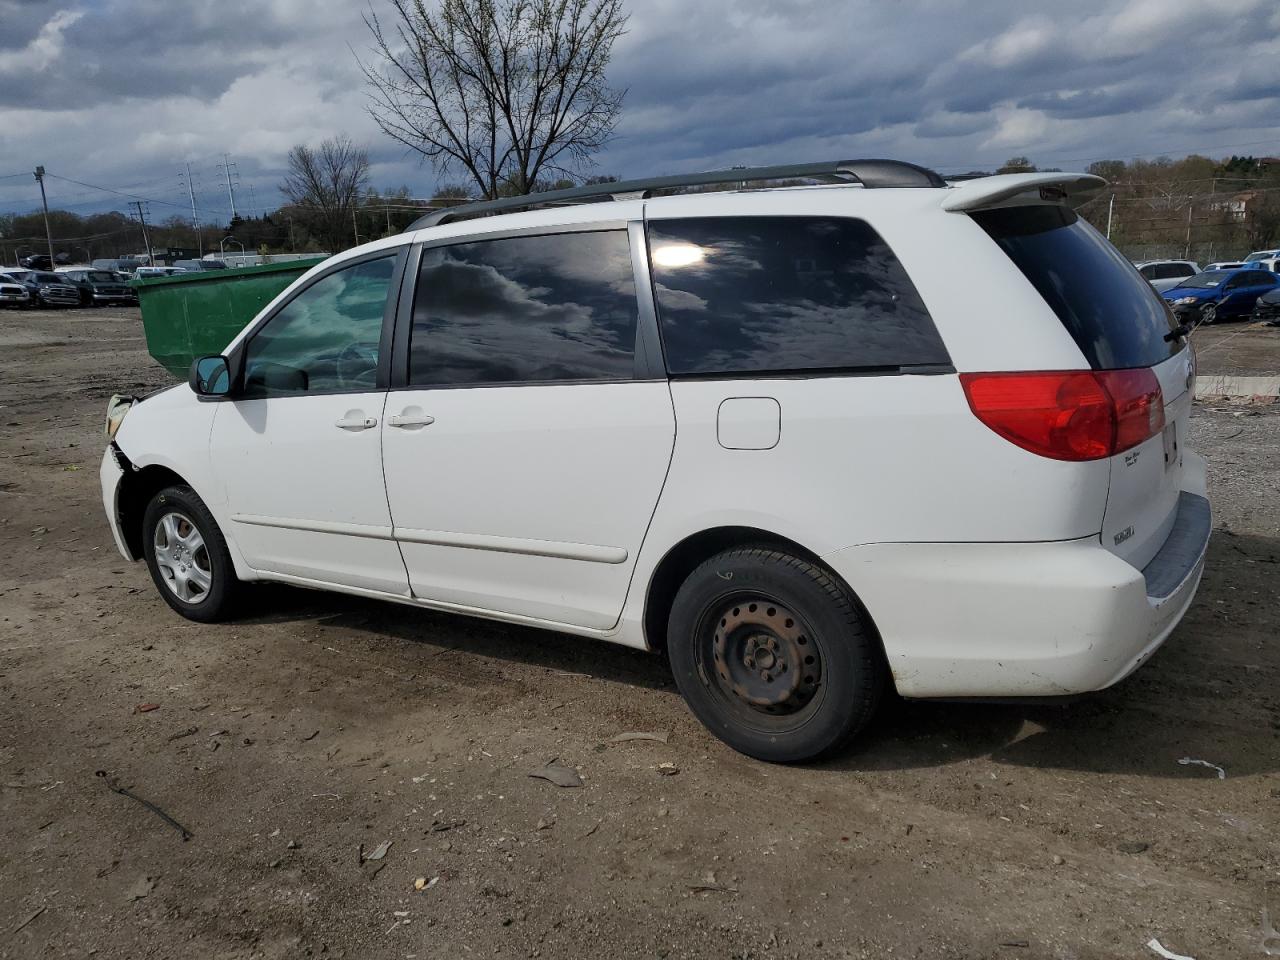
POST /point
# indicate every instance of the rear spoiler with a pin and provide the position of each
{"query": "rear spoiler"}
(984, 192)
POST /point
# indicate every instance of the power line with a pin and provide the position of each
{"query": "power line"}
(118, 193)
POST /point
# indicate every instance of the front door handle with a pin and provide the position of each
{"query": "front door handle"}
(410, 419)
(356, 420)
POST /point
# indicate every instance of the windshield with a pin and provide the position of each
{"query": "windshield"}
(46, 278)
(1260, 255)
(1206, 280)
(102, 276)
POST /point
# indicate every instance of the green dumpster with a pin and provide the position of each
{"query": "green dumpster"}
(195, 314)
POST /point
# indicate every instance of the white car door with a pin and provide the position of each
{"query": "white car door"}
(527, 446)
(298, 446)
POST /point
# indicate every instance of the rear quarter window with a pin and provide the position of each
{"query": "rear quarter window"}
(760, 295)
(1115, 317)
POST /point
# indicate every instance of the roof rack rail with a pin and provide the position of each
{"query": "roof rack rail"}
(869, 173)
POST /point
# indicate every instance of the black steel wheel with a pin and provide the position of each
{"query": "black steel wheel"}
(774, 655)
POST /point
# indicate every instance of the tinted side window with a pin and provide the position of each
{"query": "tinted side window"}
(777, 294)
(1115, 317)
(325, 340)
(1151, 271)
(525, 310)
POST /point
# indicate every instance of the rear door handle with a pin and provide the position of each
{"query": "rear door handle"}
(410, 420)
(354, 420)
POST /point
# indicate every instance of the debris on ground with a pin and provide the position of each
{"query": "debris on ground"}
(545, 824)
(183, 733)
(1159, 948)
(594, 827)
(422, 883)
(378, 852)
(558, 774)
(140, 889)
(115, 787)
(667, 769)
(660, 736)
(440, 826)
(1134, 846)
(29, 919)
(146, 707)
(311, 736)
(709, 884)
(1191, 761)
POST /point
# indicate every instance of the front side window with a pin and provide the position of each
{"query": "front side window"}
(326, 339)
(751, 295)
(525, 310)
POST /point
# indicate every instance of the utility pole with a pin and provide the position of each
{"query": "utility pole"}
(45, 203)
(226, 169)
(195, 217)
(354, 226)
(1111, 207)
(1186, 252)
(388, 221)
(146, 238)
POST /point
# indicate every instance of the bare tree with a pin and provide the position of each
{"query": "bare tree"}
(326, 182)
(504, 92)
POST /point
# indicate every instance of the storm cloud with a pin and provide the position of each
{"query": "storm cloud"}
(124, 92)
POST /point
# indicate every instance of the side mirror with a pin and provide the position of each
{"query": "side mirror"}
(211, 377)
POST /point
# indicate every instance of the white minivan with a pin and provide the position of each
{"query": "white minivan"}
(812, 443)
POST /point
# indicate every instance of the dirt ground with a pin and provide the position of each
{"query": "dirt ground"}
(322, 725)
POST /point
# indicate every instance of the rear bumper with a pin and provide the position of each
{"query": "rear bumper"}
(1027, 619)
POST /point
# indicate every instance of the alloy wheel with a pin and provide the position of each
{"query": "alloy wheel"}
(182, 558)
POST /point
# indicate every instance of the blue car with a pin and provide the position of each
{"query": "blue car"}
(1219, 294)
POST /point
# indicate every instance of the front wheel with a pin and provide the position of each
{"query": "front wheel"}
(188, 557)
(774, 655)
(1209, 313)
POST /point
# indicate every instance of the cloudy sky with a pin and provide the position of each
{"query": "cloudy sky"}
(123, 93)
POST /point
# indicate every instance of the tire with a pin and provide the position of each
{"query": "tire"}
(1209, 314)
(774, 655)
(194, 576)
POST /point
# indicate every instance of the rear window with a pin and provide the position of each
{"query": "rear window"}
(757, 295)
(1115, 317)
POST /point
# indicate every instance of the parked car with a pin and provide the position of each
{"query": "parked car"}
(37, 261)
(150, 273)
(195, 266)
(1163, 274)
(1219, 294)
(119, 264)
(104, 287)
(1225, 265)
(13, 292)
(1262, 255)
(48, 289)
(1267, 309)
(761, 431)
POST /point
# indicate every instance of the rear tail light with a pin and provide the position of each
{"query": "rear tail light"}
(1071, 414)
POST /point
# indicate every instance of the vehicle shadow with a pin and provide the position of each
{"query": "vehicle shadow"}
(443, 632)
(1199, 696)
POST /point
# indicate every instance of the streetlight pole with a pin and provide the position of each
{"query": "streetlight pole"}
(146, 237)
(45, 203)
(195, 218)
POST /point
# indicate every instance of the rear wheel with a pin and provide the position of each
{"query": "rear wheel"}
(188, 557)
(773, 655)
